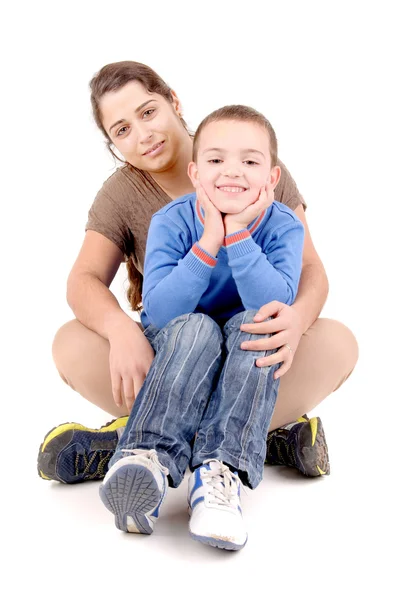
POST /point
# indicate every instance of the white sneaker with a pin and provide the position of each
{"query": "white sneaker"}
(214, 505)
(134, 489)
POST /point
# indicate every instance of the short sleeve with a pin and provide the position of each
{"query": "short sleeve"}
(286, 191)
(105, 217)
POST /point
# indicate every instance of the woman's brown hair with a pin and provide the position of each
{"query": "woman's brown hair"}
(111, 78)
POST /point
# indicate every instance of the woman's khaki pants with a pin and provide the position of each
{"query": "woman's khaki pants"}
(324, 359)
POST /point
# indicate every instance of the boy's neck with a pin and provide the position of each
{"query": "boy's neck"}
(175, 181)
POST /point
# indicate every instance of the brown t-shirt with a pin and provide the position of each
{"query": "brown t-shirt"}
(123, 208)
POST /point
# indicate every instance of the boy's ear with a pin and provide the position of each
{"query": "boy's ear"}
(193, 174)
(274, 176)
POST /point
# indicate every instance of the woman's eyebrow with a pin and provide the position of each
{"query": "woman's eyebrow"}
(140, 107)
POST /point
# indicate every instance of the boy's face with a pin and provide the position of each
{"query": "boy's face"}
(233, 163)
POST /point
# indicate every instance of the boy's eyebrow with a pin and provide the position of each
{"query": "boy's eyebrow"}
(243, 151)
(140, 107)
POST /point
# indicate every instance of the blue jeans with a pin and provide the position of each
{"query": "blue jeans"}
(201, 382)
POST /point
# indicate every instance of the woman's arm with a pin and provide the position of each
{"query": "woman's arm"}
(96, 307)
(314, 286)
(88, 292)
(290, 322)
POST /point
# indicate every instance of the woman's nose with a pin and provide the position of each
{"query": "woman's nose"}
(144, 134)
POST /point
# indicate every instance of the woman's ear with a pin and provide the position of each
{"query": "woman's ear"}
(274, 176)
(176, 103)
(193, 174)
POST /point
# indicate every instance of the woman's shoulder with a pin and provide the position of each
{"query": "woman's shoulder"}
(286, 192)
(178, 206)
(127, 179)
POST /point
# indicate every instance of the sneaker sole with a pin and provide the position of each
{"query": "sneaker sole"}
(56, 432)
(217, 542)
(132, 495)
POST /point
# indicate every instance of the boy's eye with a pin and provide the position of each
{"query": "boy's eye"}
(215, 161)
(250, 162)
(121, 130)
(148, 112)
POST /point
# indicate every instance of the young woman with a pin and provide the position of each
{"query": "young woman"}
(104, 355)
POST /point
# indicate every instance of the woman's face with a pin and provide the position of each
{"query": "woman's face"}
(144, 127)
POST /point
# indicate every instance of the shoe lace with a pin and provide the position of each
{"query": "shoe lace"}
(223, 484)
(88, 463)
(150, 454)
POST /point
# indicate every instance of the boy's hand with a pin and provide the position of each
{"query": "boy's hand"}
(213, 235)
(241, 220)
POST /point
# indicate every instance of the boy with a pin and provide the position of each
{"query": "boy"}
(212, 259)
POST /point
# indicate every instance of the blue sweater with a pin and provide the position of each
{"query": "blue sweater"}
(255, 266)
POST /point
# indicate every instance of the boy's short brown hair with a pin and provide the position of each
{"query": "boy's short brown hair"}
(238, 112)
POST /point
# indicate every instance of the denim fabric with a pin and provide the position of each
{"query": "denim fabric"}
(202, 382)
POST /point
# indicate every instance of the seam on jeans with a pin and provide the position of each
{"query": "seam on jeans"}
(182, 367)
(262, 378)
(177, 456)
(203, 378)
(156, 381)
(223, 391)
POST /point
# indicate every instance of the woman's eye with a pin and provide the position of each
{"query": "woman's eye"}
(148, 112)
(121, 130)
(215, 161)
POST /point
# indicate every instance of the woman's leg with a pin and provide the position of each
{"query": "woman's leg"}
(324, 359)
(82, 359)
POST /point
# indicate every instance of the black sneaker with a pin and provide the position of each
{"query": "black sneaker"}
(72, 453)
(301, 445)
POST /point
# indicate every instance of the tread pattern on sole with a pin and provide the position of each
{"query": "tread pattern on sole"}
(132, 492)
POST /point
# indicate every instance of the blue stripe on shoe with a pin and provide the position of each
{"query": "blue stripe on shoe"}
(196, 501)
(156, 511)
(198, 480)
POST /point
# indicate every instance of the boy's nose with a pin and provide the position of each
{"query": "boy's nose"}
(232, 170)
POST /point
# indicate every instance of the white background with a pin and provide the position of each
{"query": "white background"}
(325, 74)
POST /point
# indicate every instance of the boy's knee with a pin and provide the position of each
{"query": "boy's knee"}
(246, 316)
(204, 326)
(198, 327)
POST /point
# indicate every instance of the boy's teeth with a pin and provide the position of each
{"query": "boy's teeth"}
(232, 189)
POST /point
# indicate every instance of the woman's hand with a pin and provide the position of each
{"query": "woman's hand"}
(286, 326)
(241, 220)
(130, 358)
(213, 234)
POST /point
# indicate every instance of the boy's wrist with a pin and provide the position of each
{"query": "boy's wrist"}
(210, 245)
(232, 227)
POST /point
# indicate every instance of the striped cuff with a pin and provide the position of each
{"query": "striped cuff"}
(239, 243)
(200, 262)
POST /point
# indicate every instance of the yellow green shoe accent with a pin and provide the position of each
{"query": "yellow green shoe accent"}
(314, 429)
(120, 422)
